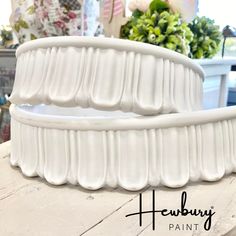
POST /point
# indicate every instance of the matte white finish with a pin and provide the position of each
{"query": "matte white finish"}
(106, 74)
(31, 207)
(95, 148)
(130, 151)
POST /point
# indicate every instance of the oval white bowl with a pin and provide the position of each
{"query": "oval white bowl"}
(95, 149)
(106, 74)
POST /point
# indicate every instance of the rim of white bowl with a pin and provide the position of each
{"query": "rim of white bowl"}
(106, 43)
(26, 115)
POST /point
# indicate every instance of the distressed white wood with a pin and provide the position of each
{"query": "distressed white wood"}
(32, 207)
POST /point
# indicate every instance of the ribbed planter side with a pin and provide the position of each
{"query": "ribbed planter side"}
(97, 73)
(131, 159)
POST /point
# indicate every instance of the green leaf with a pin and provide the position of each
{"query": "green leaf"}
(173, 39)
(199, 53)
(23, 24)
(149, 22)
(32, 37)
(158, 5)
(160, 39)
(137, 13)
(157, 31)
(162, 23)
(31, 10)
(164, 14)
(170, 29)
(17, 27)
(171, 46)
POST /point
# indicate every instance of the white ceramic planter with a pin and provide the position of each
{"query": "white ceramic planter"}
(96, 149)
(106, 74)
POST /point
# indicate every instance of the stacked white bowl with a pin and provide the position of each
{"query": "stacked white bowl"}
(90, 111)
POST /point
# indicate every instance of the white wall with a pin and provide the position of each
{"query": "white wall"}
(223, 12)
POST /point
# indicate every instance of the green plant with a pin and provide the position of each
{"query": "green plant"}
(159, 26)
(206, 39)
(6, 34)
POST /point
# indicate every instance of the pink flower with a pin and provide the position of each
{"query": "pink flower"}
(72, 15)
(39, 13)
(60, 24)
(48, 2)
(45, 14)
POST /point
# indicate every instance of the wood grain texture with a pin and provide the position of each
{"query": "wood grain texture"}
(30, 206)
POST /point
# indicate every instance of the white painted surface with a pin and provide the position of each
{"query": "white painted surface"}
(31, 207)
(106, 74)
(129, 152)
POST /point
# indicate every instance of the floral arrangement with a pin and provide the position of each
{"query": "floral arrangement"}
(165, 23)
(158, 25)
(58, 17)
(206, 39)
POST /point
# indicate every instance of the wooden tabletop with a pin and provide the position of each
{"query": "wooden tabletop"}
(30, 206)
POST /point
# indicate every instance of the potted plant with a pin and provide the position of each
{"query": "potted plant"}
(171, 24)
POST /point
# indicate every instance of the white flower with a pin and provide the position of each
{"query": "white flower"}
(132, 5)
(187, 8)
(141, 5)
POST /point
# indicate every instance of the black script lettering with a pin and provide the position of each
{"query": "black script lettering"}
(182, 211)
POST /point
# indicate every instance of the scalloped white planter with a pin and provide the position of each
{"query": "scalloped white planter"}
(96, 149)
(106, 74)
